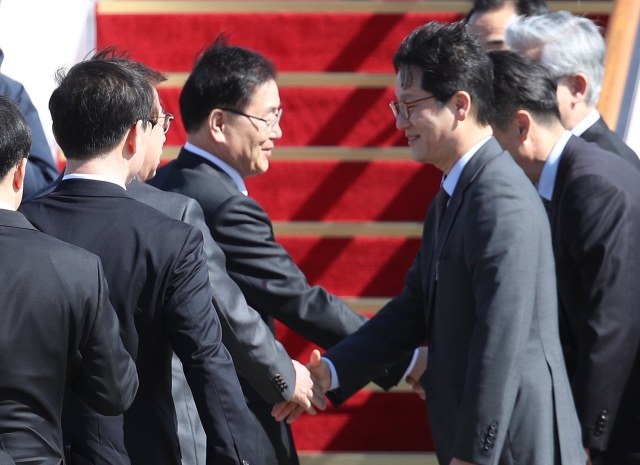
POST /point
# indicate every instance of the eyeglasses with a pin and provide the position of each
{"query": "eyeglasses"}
(403, 109)
(166, 123)
(269, 124)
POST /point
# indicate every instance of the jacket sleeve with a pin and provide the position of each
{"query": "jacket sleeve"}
(196, 337)
(107, 378)
(257, 355)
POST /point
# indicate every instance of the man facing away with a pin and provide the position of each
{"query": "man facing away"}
(157, 275)
(572, 49)
(481, 291)
(594, 208)
(230, 107)
(62, 334)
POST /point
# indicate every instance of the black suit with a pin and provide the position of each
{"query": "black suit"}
(266, 274)
(595, 221)
(600, 133)
(257, 356)
(159, 286)
(59, 333)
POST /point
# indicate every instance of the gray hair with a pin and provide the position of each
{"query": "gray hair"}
(569, 45)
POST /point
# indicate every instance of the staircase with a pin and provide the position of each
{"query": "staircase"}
(346, 201)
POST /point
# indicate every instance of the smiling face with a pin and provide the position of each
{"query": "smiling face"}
(429, 126)
(249, 141)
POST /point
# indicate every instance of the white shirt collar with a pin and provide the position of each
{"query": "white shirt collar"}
(450, 181)
(94, 177)
(227, 168)
(6, 206)
(586, 123)
(547, 181)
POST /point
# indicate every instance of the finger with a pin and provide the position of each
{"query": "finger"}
(315, 358)
(282, 410)
(318, 398)
(295, 415)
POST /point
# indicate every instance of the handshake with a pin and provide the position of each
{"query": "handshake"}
(314, 380)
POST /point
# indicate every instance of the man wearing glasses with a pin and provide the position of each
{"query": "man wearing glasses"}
(230, 107)
(481, 291)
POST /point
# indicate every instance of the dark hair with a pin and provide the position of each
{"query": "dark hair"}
(223, 76)
(518, 83)
(15, 136)
(523, 7)
(94, 106)
(451, 60)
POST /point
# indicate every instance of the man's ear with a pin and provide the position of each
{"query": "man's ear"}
(137, 139)
(462, 104)
(217, 121)
(578, 84)
(523, 123)
(19, 174)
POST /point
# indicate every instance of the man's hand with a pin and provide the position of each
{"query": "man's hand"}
(320, 370)
(307, 395)
(413, 378)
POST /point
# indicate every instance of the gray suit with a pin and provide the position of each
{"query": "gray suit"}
(482, 294)
(257, 356)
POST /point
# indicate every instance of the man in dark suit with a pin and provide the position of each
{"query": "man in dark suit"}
(62, 334)
(41, 169)
(156, 269)
(594, 209)
(266, 364)
(572, 49)
(481, 290)
(230, 107)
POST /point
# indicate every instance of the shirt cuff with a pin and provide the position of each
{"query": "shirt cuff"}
(412, 364)
(335, 383)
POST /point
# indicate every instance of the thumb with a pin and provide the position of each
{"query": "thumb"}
(315, 357)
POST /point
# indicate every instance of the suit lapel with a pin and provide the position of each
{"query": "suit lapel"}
(486, 153)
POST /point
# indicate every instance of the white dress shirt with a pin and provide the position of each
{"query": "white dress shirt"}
(227, 168)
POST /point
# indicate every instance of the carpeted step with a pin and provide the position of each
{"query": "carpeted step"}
(333, 190)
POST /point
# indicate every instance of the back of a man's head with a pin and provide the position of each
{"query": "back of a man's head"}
(520, 84)
(223, 76)
(564, 44)
(15, 136)
(95, 104)
(450, 61)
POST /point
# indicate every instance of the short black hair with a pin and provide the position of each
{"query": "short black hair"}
(451, 60)
(520, 84)
(15, 136)
(523, 7)
(94, 106)
(223, 76)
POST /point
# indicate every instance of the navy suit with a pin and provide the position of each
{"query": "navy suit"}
(159, 286)
(595, 223)
(600, 134)
(57, 335)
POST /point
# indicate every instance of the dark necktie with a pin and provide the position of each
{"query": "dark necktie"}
(441, 206)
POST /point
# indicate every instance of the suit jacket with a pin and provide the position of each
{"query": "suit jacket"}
(482, 293)
(258, 357)
(41, 167)
(269, 279)
(159, 286)
(600, 133)
(61, 334)
(595, 223)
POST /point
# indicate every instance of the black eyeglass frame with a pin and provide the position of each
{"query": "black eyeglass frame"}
(270, 125)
